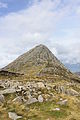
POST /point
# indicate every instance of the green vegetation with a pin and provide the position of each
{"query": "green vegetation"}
(41, 111)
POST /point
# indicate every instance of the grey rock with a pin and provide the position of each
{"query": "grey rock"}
(64, 90)
(2, 86)
(29, 95)
(32, 100)
(14, 116)
(40, 98)
(60, 89)
(21, 87)
(2, 99)
(48, 88)
(8, 91)
(18, 99)
(72, 92)
(56, 109)
(63, 102)
(35, 94)
(40, 85)
(39, 92)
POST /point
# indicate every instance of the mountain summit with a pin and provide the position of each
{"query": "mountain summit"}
(39, 61)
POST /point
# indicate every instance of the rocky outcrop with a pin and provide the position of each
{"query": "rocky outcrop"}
(72, 92)
(65, 90)
(37, 91)
(6, 73)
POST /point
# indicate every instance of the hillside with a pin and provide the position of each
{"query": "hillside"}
(40, 62)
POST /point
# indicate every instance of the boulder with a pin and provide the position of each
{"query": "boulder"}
(72, 92)
(14, 116)
(2, 99)
(63, 102)
(32, 100)
(40, 85)
(56, 109)
(8, 91)
(39, 92)
(2, 87)
(22, 88)
(18, 99)
(61, 89)
(40, 98)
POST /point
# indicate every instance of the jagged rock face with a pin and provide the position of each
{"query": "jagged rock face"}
(38, 61)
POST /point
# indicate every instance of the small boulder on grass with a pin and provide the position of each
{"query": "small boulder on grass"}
(32, 100)
(56, 109)
(40, 85)
(40, 98)
(63, 102)
(14, 116)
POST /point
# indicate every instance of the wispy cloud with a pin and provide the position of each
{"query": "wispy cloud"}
(48, 22)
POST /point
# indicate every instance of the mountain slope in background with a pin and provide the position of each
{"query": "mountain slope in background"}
(73, 67)
(78, 73)
(38, 61)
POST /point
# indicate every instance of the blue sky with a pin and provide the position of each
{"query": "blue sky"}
(13, 6)
(27, 23)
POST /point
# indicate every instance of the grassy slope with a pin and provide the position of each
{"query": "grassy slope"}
(43, 111)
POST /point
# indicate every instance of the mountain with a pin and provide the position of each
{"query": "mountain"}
(39, 62)
(78, 73)
(37, 86)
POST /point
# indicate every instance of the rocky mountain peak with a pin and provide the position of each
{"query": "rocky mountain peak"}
(40, 51)
(41, 46)
(38, 61)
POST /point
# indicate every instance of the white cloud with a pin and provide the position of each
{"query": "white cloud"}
(3, 5)
(78, 11)
(35, 25)
(69, 53)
